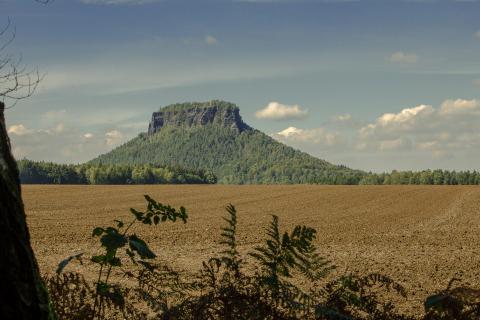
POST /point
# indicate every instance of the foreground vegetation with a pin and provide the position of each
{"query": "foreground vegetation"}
(52, 173)
(265, 284)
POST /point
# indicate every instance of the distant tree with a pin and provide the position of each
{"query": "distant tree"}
(40, 172)
(438, 177)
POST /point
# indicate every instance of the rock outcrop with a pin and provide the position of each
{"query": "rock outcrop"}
(216, 112)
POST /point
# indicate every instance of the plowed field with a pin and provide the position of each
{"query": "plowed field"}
(420, 235)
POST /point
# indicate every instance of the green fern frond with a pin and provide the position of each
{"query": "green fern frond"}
(231, 257)
(282, 254)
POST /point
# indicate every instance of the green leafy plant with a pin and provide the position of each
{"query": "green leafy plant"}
(116, 238)
(460, 303)
(294, 250)
(353, 297)
(227, 288)
(119, 245)
(230, 256)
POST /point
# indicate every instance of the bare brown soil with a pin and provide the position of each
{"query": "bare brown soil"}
(420, 235)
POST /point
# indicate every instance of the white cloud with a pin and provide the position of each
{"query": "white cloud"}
(419, 137)
(60, 143)
(402, 57)
(58, 129)
(113, 137)
(88, 136)
(210, 40)
(18, 129)
(395, 144)
(319, 136)
(442, 131)
(402, 121)
(342, 117)
(460, 106)
(344, 121)
(289, 132)
(278, 111)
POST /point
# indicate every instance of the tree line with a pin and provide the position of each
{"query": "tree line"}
(426, 177)
(40, 172)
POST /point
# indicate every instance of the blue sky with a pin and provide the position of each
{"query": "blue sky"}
(376, 85)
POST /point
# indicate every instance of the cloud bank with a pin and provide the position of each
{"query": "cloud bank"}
(440, 135)
(61, 141)
(440, 132)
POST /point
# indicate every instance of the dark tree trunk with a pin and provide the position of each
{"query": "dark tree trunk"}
(22, 293)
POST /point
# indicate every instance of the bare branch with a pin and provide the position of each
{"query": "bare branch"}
(7, 26)
(16, 81)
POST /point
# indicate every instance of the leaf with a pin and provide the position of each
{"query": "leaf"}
(113, 241)
(97, 231)
(98, 259)
(147, 265)
(138, 245)
(138, 215)
(102, 288)
(120, 223)
(435, 301)
(115, 262)
(117, 297)
(156, 220)
(65, 262)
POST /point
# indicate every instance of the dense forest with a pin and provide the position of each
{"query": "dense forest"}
(428, 177)
(52, 173)
(249, 157)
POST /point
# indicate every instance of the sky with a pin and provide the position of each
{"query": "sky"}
(374, 85)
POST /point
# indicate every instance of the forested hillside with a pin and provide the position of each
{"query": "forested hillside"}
(246, 157)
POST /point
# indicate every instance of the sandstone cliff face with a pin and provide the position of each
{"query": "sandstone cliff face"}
(198, 114)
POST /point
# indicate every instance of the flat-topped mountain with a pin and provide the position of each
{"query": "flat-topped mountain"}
(215, 112)
(212, 136)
